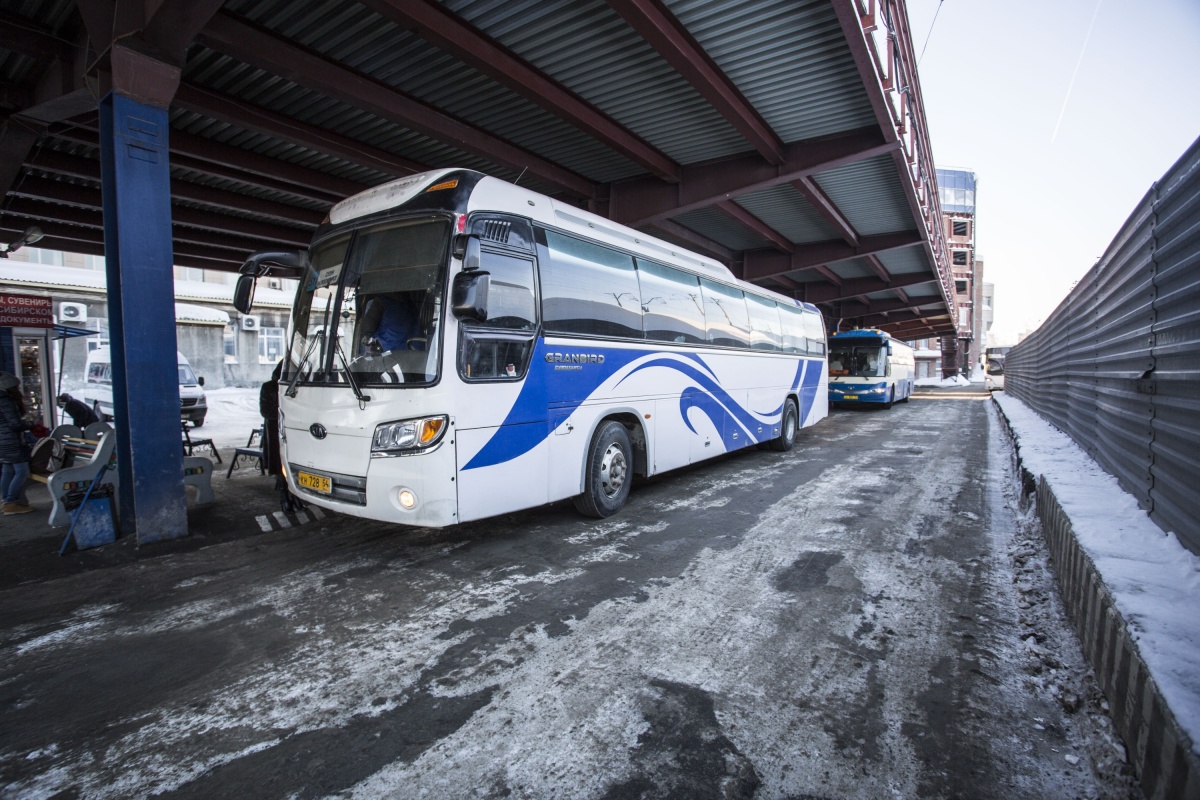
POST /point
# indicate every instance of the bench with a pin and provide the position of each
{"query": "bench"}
(249, 451)
(190, 444)
(89, 457)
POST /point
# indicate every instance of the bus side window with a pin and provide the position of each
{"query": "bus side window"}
(499, 348)
(814, 330)
(792, 319)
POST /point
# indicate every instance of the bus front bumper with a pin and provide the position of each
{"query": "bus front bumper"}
(417, 490)
(858, 393)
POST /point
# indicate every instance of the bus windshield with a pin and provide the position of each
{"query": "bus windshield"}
(372, 303)
(861, 361)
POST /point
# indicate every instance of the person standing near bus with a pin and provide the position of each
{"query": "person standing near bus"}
(268, 407)
(14, 454)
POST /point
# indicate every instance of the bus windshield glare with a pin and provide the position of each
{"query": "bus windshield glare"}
(864, 361)
(384, 288)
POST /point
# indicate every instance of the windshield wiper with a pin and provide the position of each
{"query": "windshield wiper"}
(337, 348)
(319, 336)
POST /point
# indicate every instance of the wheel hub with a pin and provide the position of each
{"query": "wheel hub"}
(613, 468)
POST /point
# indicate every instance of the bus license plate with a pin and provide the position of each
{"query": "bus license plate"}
(318, 483)
(851, 397)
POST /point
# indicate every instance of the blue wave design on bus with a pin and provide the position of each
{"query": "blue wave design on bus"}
(525, 426)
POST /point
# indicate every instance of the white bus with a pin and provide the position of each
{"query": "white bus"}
(869, 367)
(463, 348)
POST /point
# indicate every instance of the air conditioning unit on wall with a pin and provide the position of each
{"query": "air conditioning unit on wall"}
(274, 283)
(251, 323)
(72, 312)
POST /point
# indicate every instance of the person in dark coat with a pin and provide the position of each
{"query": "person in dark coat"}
(14, 452)
(268, 407)
(79, 412)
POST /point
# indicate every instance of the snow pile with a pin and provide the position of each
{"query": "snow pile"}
(955, 380)
(1154, 580)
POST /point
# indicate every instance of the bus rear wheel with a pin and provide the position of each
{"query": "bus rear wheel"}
(787, 428)
(607, 472)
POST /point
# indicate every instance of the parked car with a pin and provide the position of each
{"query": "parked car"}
(193, 406)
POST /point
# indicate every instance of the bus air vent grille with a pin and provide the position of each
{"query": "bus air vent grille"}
(495, 230)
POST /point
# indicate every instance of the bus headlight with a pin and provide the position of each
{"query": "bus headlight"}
(408, 436)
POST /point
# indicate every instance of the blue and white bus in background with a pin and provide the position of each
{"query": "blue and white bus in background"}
(869, 367)
(461, 348)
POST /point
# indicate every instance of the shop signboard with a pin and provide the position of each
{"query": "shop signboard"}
(25, 311)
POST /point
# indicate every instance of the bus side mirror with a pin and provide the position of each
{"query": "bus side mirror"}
(200, 380)
(470, 255)
(469, 295)
(243, 293)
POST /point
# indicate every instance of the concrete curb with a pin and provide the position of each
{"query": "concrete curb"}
(1160, 752)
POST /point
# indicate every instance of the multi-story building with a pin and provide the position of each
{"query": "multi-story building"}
(957, 188)
(960, 355)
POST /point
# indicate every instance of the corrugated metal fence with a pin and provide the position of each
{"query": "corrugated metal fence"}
(1117, 365)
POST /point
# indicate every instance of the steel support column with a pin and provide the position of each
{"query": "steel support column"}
(141, 307)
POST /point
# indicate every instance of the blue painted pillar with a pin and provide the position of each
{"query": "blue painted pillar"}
(135, 172)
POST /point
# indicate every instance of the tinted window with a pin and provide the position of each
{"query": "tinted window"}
(672, 308)
(589, 289)
(725, 314)
(510, 295)
(765, 331)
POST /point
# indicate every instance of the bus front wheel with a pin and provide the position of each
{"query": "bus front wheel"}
(787, 428)
(607, 472)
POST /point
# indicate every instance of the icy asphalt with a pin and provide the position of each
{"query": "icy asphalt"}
(870, 615)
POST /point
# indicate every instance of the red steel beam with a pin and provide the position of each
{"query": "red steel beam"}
(761, 264)
(663, 31)
(646, 200)
(860, 287)
(671, 230)
(259, 47)
(747, 220)
(448, 32)
(826, 208)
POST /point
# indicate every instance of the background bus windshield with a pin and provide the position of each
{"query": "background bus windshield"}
(865, 361)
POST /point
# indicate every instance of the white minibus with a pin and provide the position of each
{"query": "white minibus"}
(97, 390)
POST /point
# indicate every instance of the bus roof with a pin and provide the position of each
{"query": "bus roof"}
(492, 194)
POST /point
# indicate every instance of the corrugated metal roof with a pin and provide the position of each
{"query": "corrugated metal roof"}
(870, 195)
(712, 224)
(788, 57)
(593, 52)
(785, 209)
(801, 65)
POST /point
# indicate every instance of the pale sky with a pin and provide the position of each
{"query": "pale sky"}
(996, 78)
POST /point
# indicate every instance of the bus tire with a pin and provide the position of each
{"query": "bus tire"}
(608, 472)
(787, 428)
(891, 398)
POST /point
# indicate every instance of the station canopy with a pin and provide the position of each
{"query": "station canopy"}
(785, 138)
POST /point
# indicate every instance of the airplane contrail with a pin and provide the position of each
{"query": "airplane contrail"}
(1078, 61)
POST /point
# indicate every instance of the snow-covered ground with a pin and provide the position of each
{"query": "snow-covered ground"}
(232, 414)
(1154, 580)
